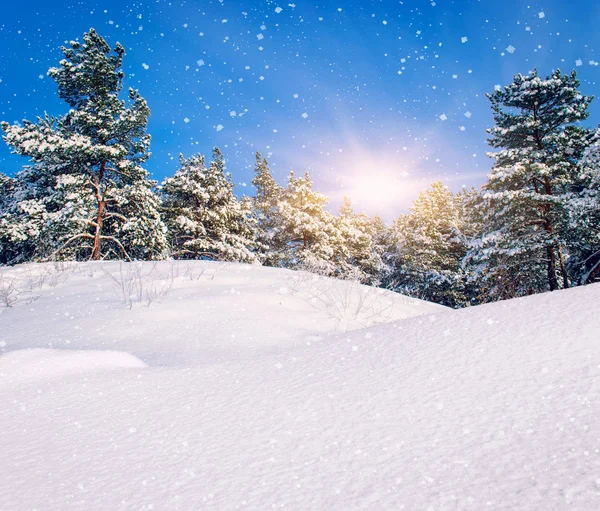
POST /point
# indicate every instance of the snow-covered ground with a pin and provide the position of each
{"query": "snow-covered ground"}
(219, 386)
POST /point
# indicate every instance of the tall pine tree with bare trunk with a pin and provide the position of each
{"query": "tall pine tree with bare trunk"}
(525, 203)
(98, 149)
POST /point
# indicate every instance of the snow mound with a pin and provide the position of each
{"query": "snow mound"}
(187, 312)
(25, 366)
(492, 407)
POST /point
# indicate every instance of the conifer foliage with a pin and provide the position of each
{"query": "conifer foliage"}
(265, 208)
(524, 211)
(86, 188)
(357, 253)
(584, 217)
(431, 242)
(204, 217)
(305, 226)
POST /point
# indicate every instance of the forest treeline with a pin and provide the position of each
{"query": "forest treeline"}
(534, 226)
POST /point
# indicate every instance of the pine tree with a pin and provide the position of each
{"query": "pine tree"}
(583, 241)
(356, 253)
(204, 217)
(6, 189)
(8, 249)
(524, 207)
(306, 227)
(94, 154)
(430, 245)
(266, 211)
(383, 244)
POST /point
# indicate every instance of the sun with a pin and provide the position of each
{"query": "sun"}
(378, 189)
(381, 187)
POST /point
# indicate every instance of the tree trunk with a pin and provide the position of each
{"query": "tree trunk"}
(552, 282)
(593, 273)
(563, 268)
(97, 250)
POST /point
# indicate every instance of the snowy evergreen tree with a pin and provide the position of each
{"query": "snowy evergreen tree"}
(47, 206)
(204, 217)
(9, 248)
(86, 193)
(306, 227)
(583, 241)
(431, 242)
(356, 252)
(524, 209)
(265, 207)
(6, 189)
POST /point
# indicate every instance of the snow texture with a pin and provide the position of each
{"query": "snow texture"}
(255, 397)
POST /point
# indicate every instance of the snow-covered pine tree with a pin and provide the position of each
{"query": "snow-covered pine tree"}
(266, 211)
(93, 156)
(6, 189)
(48, 204)
(356, 252)
(8, 250)
(204, 217)
(583, 241)
(48, 207)
(306, 227)
(430, 245)
(7, 192)
(524, 209)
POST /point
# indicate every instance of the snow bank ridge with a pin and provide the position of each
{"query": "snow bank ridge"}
(35, 364)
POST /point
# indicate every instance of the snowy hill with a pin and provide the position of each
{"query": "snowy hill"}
(208, 386)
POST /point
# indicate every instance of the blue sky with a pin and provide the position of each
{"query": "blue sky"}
(375, 98)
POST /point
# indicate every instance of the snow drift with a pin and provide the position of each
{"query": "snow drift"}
(25, 366)
(493, 407)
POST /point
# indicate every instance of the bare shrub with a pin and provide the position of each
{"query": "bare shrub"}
(16, 289)
(348, 303)
(9, 292)
(143, 283)
(191, 270)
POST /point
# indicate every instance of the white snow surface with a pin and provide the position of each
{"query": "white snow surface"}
(29, 365)
(242, 387)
